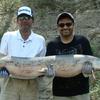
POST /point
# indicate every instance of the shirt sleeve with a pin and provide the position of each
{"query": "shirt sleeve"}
(50, 49)
(4, 44)
(43, 48)
(87, 50)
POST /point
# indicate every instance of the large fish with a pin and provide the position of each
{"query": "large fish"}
(63, 65)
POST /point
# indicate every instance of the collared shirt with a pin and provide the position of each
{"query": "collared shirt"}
(12, 44)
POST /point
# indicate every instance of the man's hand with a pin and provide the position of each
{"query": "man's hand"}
(87, 68)
(4, 72)
(50, 71)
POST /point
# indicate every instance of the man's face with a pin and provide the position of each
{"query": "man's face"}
(24, 22)
(65, 27)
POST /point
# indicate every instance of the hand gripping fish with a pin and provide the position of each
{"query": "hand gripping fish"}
(63, 65)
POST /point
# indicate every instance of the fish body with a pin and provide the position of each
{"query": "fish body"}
(58, 62)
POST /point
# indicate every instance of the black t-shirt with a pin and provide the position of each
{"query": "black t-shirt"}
(74, 85)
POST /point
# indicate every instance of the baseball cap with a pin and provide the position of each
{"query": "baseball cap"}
(25, 10)
(65, 14)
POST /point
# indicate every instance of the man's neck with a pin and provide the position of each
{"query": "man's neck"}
(67, 39)
(25, 34)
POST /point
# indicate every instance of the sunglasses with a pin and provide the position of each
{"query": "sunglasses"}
(24, 17)
(63, 24)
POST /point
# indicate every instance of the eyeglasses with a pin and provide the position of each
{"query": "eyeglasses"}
(63, 24)
(24, 17)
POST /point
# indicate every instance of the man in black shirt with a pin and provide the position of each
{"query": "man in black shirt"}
(77, 87)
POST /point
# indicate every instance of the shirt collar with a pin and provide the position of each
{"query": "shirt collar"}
(30, 38)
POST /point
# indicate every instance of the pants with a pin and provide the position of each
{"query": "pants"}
(16, 89)
(78, 97)
(45, 88)
(37, 89)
